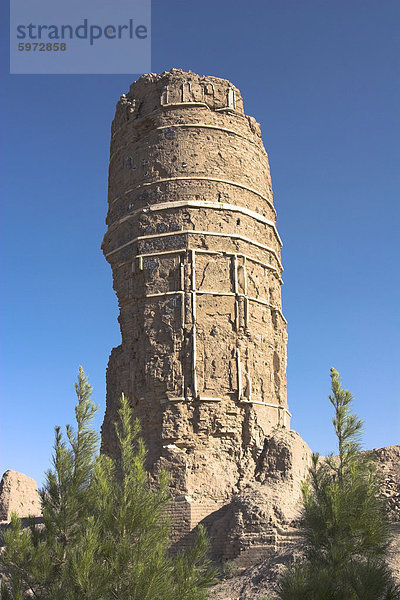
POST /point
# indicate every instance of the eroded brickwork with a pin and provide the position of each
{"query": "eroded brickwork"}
(18, 494)
(195, 255)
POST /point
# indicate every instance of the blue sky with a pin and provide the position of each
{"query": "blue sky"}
(322, 78)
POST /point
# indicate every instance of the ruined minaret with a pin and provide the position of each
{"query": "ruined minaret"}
(195, 255)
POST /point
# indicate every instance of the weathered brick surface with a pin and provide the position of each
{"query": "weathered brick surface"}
(195, 254)
(18, 494)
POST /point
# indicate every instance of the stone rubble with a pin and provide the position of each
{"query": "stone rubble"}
(260, 577)
(19, 494)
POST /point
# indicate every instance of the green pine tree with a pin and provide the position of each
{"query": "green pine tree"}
(345, 527)
(105, 533)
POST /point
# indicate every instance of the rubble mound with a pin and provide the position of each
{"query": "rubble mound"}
(19, 494)
(257, 577)
(388, 465)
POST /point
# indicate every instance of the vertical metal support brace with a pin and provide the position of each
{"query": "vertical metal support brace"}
(248, 383)
(235, 273)
(183, 297)
(239, 374)
(195, 392)
(246, 300)
(245, 275)
(236, 289)
(182, 274)
(193, 253)
(183, 310)
(194, 313)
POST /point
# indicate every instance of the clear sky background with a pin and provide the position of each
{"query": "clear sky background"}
(322, 78)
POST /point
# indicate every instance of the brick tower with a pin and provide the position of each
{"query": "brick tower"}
(195, 256)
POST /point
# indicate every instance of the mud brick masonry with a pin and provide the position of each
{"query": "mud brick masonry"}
(195, 255)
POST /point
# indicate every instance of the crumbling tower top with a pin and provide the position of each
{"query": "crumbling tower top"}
(175, 88)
